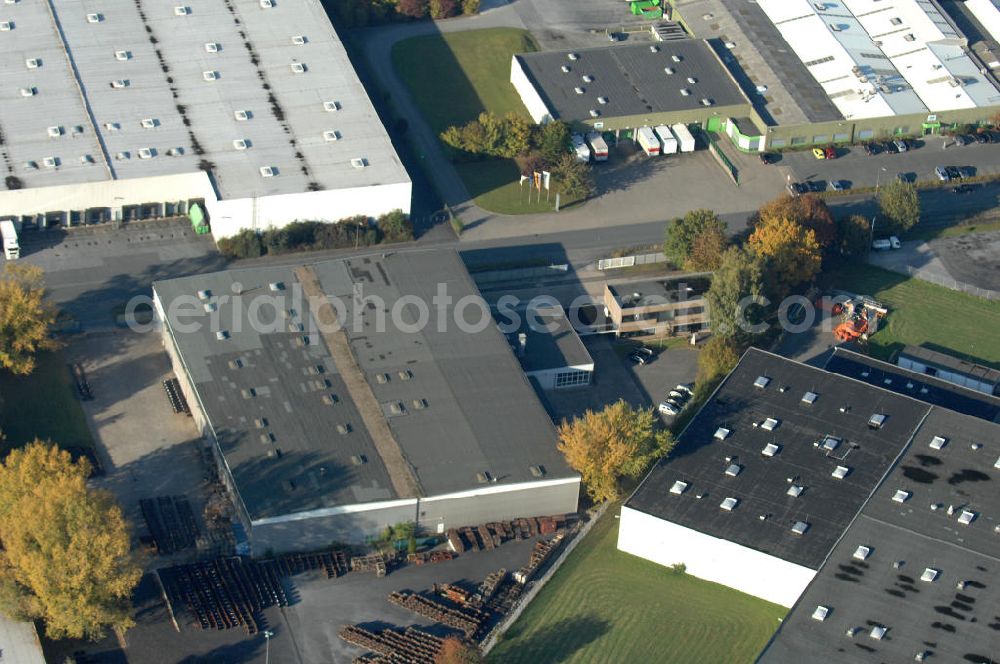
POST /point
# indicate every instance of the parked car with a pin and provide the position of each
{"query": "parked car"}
(638, 358)
(953, 172)
(815, 185)
(830, 152)
(819, 153)
(960, 139)
(966, 172)
(990, 136)
(871, 148)
(942, 173)
(901, 145)
(894, 242)
(838, 185)
(684, 388)
(767, 158)
(890, 147)
(796, 188)
(903, 177)
(979, 138)
(678, 396)
(881, 244)
(668, 409)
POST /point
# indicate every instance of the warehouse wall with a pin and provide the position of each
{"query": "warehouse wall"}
(695, 116)
(532, 101)
(355, 523)
(229, 217)
(711, 558)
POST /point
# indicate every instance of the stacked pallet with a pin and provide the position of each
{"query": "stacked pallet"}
(334, 563)
(491, 583)
(543, 549)
(411, 646)
(171, 523)
(375, 562)
(468, 620)
(491, 535)
(427, 557)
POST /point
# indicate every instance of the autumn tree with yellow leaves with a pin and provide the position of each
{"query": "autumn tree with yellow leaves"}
(790, 251)
(66, 556)
(25, 318)
(612, 444)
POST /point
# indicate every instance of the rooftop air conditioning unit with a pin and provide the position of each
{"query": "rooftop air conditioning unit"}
(31, 165)
(594, 113)
(181, 10)
(6, 26)
(331, 135)
(120, 83)
(122, 56)
(267, 171)
(266, 4)
(29, 92)
(50, 162)
(32, 63)
(211, 47)
(573, 56)
(149, 123)
(241, 115)
(602, 100)
(669, 70)
(298, 68)
(706, 101)
(210, 75)
(685, 92)
(298, 40)
(359, 162)
(676, 58)
(86, 159)
(112, 126)
(692, 80)
(565, 69)
(578, 91)
(146, 153)
(55, 132)
(122, 156)
(587, 78)
(331, 106)
(654, 49)
(240, 144)
(95, 18)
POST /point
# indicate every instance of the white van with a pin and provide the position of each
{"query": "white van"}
(881, 245)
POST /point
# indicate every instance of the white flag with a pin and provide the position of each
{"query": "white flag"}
(546, 176)
(523, 178)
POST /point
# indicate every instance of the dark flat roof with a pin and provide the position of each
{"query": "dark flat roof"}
(953, 624)
(632, 78)
(648, 292)
(917, 385)
(952, 363)
(747, 127)
(467, 406)
(827, 504)
(551, 341)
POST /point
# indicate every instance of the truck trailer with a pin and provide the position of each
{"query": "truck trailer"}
(684, 137)
(648, 141)
(598, 146)
(11, 248)
(668, 144)
(580, 148)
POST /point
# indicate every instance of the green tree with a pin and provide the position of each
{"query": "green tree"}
(573, 178)
(395, 227)
(245, 244)
(716, 359)
(791, 254)
(25, 317)
(470, 7)
(439, 9)
(66, 557)
(740, 275)
(516, 136)
(552, 140)
(706, 252)
(899, 204)
(681, 232)
(615, 443)
(855, 235)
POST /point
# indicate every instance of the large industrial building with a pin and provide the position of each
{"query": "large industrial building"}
(869, 513)
(122, 110)
(330, 433)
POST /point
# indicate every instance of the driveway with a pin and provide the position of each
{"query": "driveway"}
(969, 263)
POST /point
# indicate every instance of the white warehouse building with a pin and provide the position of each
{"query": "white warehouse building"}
(120, 110)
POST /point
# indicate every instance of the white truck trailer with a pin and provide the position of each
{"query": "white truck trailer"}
(648, 141)
(598, 146)
(11, 248)
(684, 137)
(668, 143)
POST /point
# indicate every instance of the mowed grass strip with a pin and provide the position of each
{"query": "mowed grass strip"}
(42, 405)
(456, 76)
(607, 606)
(925, 314)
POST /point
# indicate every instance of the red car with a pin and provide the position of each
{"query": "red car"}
(830, 152)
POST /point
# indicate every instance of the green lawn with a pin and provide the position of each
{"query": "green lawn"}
(606, 606)
(42, 405)
(952, 231)
(456, 76)
(921, 313)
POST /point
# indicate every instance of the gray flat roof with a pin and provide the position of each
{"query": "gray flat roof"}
(657, 291)
(163, 58)
(467, 407)
(632, 78)
(952, 623)
(551, 341)
(952, 363)
(826, 503)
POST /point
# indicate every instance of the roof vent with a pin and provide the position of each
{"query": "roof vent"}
(210, 75)
(809, 398)
(29, 92)
(382, 378)
(862, 552)
(359, 459)
(967, 517)
(770, 449)
(359, 162)
(419, 404)
(211, 47)
(268, 171)
(685, 92)
(729, 504)
(536, 471)
(6, 26)
(938, 442)
(692, 80)
(297, 68)
(594, 113)
(396, 408)
(830, 443)
(149, 123)
(147, 153)
(276, 286)
(579, 91)
(678, 487)
(121, 156)
(734, 469)
(654, 48)
(800, 527)
(602, 100)
(405, 374)
(770, 424)
(901, 496)
(722, 433)
(298, 40)
(240, 144)
(565, 69)
(343, 429)
(587, 78)
(876, 421)
(329, 399)
(266, 4)
(930, 574)
(87, 159)
(676, 58)
(120, 83)
(878, 631)
(55, 132)
(573, 56)
(95, 18)
(795, 490)
(331, 106)
(32, 63)
(241, 115)
(821, 613)
(761, 382)
(50, 162)
(669, 70)
(996, 464)
(181, 10)
(840, 472)
(482, 477)
(204, 294)
(222, 335)
(705, 101)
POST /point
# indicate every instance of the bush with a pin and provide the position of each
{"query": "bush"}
(307, 235)
(395, 227)
(470, 7)
(245, 244)
(442, 8)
